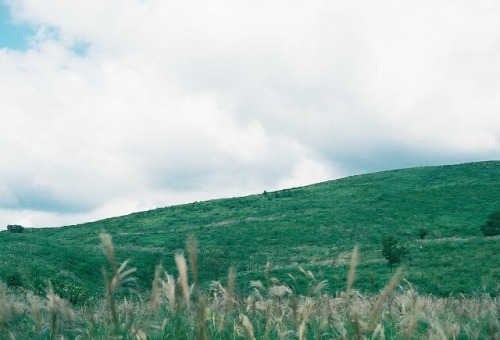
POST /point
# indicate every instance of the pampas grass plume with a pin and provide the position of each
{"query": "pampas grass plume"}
(180, 261)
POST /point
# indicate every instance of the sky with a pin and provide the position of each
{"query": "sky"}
(109, 107)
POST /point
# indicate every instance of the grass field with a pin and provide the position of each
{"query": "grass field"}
(176, 308)
(313, 227)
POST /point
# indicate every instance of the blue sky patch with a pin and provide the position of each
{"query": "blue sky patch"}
(16, 35)
(80, 48)
(13, 35)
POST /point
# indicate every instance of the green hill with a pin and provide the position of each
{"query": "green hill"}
(314, 227)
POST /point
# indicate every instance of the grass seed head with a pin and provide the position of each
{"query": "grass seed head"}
(169, 287)
(155, 290)
(352, 271)
(107, 243)
(302, 330)
(413, 321)
(3, 307)
(180, 261)
(385, 294)
(247, 325)
(192, 247)
(231, 279)
(379, 331)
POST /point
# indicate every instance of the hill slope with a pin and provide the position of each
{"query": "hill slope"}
(314, 227)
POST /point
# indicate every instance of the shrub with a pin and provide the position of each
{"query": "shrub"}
(492, 225)
(15, 280)
(15, 228)
(422, 233)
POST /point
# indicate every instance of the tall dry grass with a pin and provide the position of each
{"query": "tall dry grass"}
(270, 310)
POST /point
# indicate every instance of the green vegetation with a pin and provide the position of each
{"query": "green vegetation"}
(492, 226)
(393, 251)
(177, 309)
(15, 228)
(313, 227)
(422, 233)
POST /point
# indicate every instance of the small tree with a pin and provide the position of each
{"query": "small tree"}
(393, 251)
(492, 225)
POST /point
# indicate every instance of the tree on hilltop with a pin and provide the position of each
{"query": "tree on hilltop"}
(15, 228)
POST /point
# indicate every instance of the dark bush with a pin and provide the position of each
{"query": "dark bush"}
(15, 228)
(492, 225)
(15, 280)
(422, 233)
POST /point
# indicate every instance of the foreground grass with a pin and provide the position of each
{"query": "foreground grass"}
(177, 309)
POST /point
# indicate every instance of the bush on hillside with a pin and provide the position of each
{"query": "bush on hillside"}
(15, 228)
(492, 225)
(15, 279)
(422, 233)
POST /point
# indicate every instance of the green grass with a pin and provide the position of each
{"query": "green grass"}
(314, 227)
(177, 309)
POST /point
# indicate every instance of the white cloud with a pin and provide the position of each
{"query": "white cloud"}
(173, 101)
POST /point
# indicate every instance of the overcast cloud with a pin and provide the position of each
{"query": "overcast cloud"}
(116, 106)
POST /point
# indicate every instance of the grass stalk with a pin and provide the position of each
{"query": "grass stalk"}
(120, 276)
(53, 308)
(352, 272)
(201, 333)
(379, 330)
(3, 308)
(180, 262)
(303, 330)
(169, 286)
(192, 247)
(107, 243)
(357, 325)
(231, 279)
(155, 291)
(110, 294)
(385, 294)
(248, 326)
(413, 321)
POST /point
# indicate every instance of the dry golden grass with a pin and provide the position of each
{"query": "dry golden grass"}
(180, 262)
(352, 272)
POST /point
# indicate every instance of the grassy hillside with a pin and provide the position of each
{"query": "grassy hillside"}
(314, 227)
